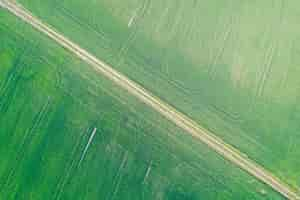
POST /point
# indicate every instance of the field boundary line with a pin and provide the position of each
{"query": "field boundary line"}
(179, 119)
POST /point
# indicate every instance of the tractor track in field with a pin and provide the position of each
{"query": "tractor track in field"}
(179, 119)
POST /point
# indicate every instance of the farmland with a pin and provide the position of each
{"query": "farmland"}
(68, 133)
(231, 66)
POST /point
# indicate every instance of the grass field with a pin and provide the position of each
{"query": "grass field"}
(68, 133)
(232, 65)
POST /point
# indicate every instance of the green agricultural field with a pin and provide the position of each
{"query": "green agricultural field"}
(68, 133)
(232, 66)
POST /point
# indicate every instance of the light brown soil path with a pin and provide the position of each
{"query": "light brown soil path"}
(154, 102)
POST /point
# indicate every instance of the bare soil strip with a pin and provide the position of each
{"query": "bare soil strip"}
(179, 119)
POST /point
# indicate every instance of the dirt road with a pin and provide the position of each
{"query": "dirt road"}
(163, 108)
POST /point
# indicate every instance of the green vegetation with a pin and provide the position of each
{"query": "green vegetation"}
(68, 133)
(232, 66)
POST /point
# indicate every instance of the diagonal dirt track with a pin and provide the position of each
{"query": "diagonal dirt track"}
(155, 103)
